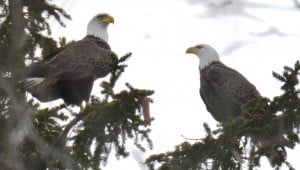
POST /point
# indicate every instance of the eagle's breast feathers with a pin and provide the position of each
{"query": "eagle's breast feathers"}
(224, 90)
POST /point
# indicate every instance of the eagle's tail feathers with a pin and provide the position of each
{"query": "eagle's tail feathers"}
(32, 82)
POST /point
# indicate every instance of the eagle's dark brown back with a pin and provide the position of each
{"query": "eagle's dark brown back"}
(224, 91)
(70, 72)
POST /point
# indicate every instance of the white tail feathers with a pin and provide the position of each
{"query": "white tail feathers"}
(32, 82)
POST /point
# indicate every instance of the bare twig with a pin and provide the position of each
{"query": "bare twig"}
(186, 138)
(60, 141)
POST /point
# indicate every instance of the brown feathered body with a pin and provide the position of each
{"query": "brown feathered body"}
(224, 90)
(70, 72)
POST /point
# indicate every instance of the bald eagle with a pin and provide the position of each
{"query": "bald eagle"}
(222, 89)
(69, 73)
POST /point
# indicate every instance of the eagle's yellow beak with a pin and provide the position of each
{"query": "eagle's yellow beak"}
(108, 19)
(193, 50)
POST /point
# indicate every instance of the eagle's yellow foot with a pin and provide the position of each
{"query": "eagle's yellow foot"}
(82, 107)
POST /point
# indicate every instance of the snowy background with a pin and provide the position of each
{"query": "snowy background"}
(253, 37)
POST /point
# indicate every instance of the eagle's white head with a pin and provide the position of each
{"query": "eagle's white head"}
(205, 53)
(98, 26)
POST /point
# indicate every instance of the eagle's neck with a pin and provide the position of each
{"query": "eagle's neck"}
(207, 57)
(98, 30)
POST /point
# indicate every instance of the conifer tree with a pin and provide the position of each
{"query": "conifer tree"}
(58, 138)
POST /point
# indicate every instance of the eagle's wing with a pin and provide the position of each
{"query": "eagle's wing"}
(224, 90)
(78, 60)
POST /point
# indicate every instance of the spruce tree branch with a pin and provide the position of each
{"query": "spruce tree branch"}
(61, 139)
(51, 154)
(16, 138)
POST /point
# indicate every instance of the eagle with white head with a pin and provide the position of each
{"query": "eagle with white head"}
(69, 73)
(222, 89)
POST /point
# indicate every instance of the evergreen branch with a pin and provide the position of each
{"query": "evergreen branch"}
(61, 139)
(111, 121)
